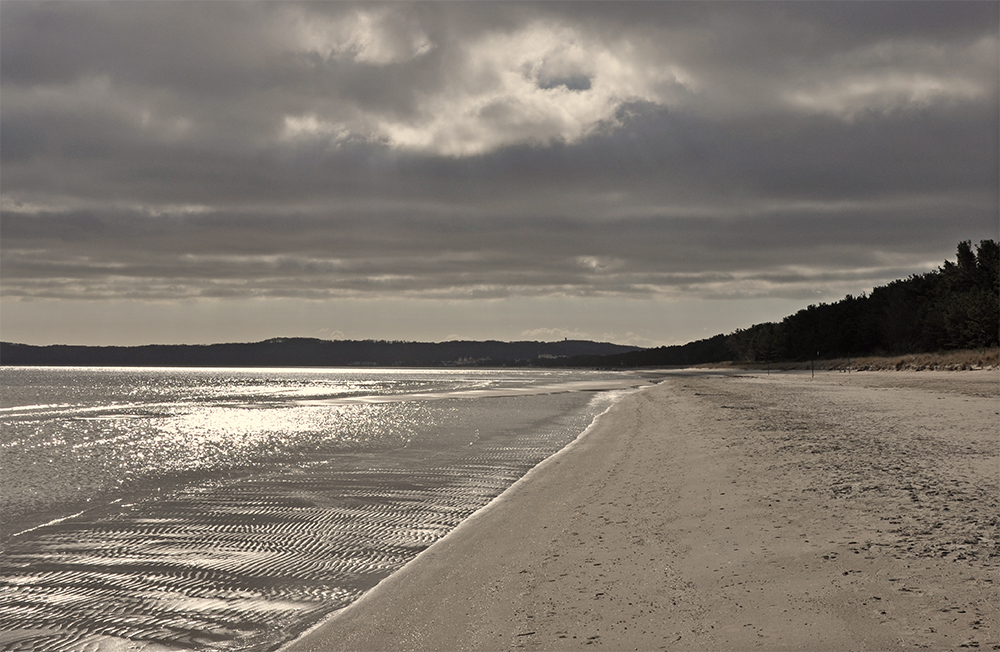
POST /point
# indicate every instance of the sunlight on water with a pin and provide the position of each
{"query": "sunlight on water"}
(101, 439)
(229, 509)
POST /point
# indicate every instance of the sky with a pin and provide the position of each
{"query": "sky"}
(644, 173)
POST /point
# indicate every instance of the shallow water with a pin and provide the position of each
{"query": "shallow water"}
(231, 509)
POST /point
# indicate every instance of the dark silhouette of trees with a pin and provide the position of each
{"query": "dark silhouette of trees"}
(956, 306)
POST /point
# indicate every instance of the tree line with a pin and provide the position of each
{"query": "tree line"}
(956, 306)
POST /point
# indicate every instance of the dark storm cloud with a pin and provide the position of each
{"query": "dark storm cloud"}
(229, 149)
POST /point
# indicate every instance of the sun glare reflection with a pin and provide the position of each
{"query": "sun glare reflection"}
(72, 433)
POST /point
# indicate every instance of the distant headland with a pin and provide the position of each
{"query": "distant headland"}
(309, 352)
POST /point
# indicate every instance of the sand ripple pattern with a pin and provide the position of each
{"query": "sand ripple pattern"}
(244, 564)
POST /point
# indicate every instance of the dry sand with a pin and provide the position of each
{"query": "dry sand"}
(727, 512)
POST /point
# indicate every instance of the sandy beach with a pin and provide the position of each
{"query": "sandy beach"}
(727, 512)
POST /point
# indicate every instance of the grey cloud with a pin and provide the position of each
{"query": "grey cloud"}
(207, 48)
(657, 158)
(228, 149)
(431, 255)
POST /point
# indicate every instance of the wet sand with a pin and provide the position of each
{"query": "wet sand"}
(727, 512)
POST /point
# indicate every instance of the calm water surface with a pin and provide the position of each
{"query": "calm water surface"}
(229, 509)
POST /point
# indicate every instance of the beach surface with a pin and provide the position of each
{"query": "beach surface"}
(726, 511)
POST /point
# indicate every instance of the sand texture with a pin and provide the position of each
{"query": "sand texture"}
(727, 512)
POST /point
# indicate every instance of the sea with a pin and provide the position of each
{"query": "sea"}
(231, 509)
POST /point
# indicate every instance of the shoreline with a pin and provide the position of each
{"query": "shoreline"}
(257, 559)
(458, 533)
(725, 511)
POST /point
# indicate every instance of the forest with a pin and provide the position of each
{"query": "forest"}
(956, 306)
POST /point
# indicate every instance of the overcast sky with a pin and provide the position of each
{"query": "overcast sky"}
(645, 173)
